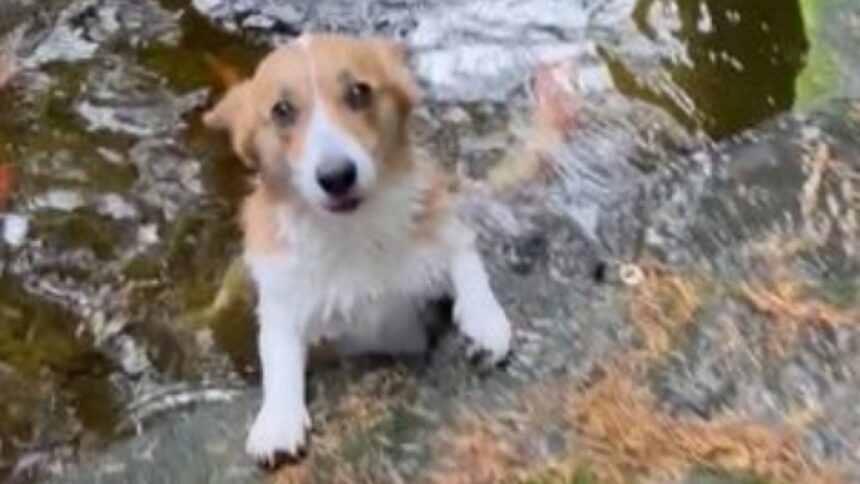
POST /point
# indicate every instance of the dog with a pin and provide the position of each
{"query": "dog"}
(349, 231)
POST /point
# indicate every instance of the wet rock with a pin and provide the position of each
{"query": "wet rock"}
(750, 224)
(282, 20)
(171, 453)
(84, 27)
(14, 229)
(725, 361)
(45, 411)
(456, 115)
(466, 51)
(128, 99)
(481, 50)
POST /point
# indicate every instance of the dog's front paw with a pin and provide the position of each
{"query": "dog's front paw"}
(487, 328)
(278, 436)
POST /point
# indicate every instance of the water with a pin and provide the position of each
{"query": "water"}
(727, 64)
(105, 317)
(120, 209)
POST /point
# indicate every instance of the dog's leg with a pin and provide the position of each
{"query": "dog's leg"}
(279, 430)
(476, 311)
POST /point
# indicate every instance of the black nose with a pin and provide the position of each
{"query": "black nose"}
(336, 177)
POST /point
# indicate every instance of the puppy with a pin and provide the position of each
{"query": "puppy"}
(348, 233)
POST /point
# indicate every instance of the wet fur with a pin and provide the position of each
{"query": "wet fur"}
(359, 279)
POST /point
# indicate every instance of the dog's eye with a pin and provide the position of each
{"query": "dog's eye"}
(358, 95)
(284, 113)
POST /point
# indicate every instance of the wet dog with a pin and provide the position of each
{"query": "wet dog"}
(348, 232)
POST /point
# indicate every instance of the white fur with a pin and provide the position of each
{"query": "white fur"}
(283, 420)
(476, 310)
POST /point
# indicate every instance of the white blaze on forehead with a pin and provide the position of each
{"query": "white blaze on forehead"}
(304, 44)
(326, 140)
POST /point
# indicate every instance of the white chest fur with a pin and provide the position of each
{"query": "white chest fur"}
(354, 275)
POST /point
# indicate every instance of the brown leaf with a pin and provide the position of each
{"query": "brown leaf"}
(661, 306)
(479, 451)
(623, 427)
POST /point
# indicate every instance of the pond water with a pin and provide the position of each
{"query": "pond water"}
(119, 229)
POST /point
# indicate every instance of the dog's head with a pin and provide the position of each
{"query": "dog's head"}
(323, 117)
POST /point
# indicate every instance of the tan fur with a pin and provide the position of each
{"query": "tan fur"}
(260, 223)
(380, 63)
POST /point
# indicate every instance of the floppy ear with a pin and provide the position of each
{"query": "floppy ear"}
(393, 55)
(235, 113)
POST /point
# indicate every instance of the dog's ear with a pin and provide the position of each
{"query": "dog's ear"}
(235, 114)
(393, 55)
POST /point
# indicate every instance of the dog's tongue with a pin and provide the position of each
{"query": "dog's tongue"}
(343, 205)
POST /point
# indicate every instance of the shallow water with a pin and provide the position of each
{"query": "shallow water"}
(129, 203)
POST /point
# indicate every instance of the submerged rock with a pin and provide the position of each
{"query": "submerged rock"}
(83, 27)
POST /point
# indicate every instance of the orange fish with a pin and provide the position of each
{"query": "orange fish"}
(554, 92)
(7, 182)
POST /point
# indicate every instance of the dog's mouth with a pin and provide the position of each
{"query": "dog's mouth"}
(343, 205)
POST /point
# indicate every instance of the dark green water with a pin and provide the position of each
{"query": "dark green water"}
(737, 61)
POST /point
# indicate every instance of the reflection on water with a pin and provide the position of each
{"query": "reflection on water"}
(52, 380)
(735, 62)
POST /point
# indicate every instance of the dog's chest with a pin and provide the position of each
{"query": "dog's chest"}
(364, 269)
(346, 278)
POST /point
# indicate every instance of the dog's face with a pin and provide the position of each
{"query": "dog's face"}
(323, 117)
